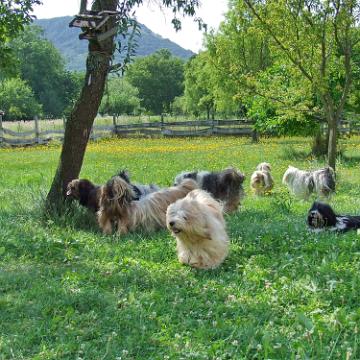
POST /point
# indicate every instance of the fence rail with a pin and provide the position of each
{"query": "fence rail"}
(241, 127)
(236, 127)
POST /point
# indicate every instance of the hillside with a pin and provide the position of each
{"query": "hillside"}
(74, 50)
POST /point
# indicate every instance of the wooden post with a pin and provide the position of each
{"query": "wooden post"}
(1, 129)
(162, 123)
(37, 132)
(114, 124)
(255, 136)
(83, 6)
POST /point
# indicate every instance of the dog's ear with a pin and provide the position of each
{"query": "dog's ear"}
(232, 176)
(125, 175)
(118, 188)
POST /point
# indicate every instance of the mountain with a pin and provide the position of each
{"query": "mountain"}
(74, 51)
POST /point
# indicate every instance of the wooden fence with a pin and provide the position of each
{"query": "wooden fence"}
(240, 127)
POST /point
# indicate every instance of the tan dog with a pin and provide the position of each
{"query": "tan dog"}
(198, 225)
(117, 206)
(261, 181)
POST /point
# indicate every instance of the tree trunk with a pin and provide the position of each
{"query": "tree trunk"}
(82, 117)
(320, 143)
(332, 124)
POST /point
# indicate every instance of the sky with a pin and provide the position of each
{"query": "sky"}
(156, 19)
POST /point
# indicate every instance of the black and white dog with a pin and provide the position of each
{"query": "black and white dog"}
(139, 189)
(321, 216)
(225, 185)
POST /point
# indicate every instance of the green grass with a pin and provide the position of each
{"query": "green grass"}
(69, 292)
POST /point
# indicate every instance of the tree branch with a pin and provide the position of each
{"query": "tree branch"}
(278, 42)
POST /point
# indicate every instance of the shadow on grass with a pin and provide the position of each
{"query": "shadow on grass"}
(290, 153)
(349, 160)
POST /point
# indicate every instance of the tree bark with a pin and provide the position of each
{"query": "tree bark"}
(82, 117)
(332, 125)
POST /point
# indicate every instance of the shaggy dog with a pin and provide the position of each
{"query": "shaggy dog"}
(261, 181)
(198, 225)
(225, 185)
(322, 216)
(303, 183)
(138, 189)
(117, 206)
(88, 194)
(85, 192)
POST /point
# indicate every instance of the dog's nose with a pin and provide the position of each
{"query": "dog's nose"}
(172, 223)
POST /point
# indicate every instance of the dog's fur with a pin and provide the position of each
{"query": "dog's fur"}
(87, 193)
(224, 185)
(139, 190)
(198, 225)
(303, 183)
(321, 216)
(117, 206)
(261, 181)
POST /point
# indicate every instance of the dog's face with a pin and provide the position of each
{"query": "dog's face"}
(264, 167)
(290, 174)
(257, 180)
(184, 217)
(73, 189)
(316, 219)
(117, 190)
(321, 215)
(78, 188)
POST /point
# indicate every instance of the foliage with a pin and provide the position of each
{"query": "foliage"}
(199, 88)
(286, 63)
(120, 98)
(14, 15)
(18, 100)
(159, 79)
(41, 65)
(317, 38)
(68, 292)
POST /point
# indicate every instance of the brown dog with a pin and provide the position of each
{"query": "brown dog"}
(85, 192)
(117, 206)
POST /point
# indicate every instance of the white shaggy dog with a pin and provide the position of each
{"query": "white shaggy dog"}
(302, 183)
(261, 181)
(198, 225)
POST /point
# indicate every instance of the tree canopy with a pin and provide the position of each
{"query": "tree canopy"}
(120, 98)
(17, 100)
(159, 79)
(41, 65)
(14, 15)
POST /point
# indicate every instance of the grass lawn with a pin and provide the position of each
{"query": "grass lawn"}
(69, 292)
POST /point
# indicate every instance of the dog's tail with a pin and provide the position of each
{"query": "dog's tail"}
(189, 184)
